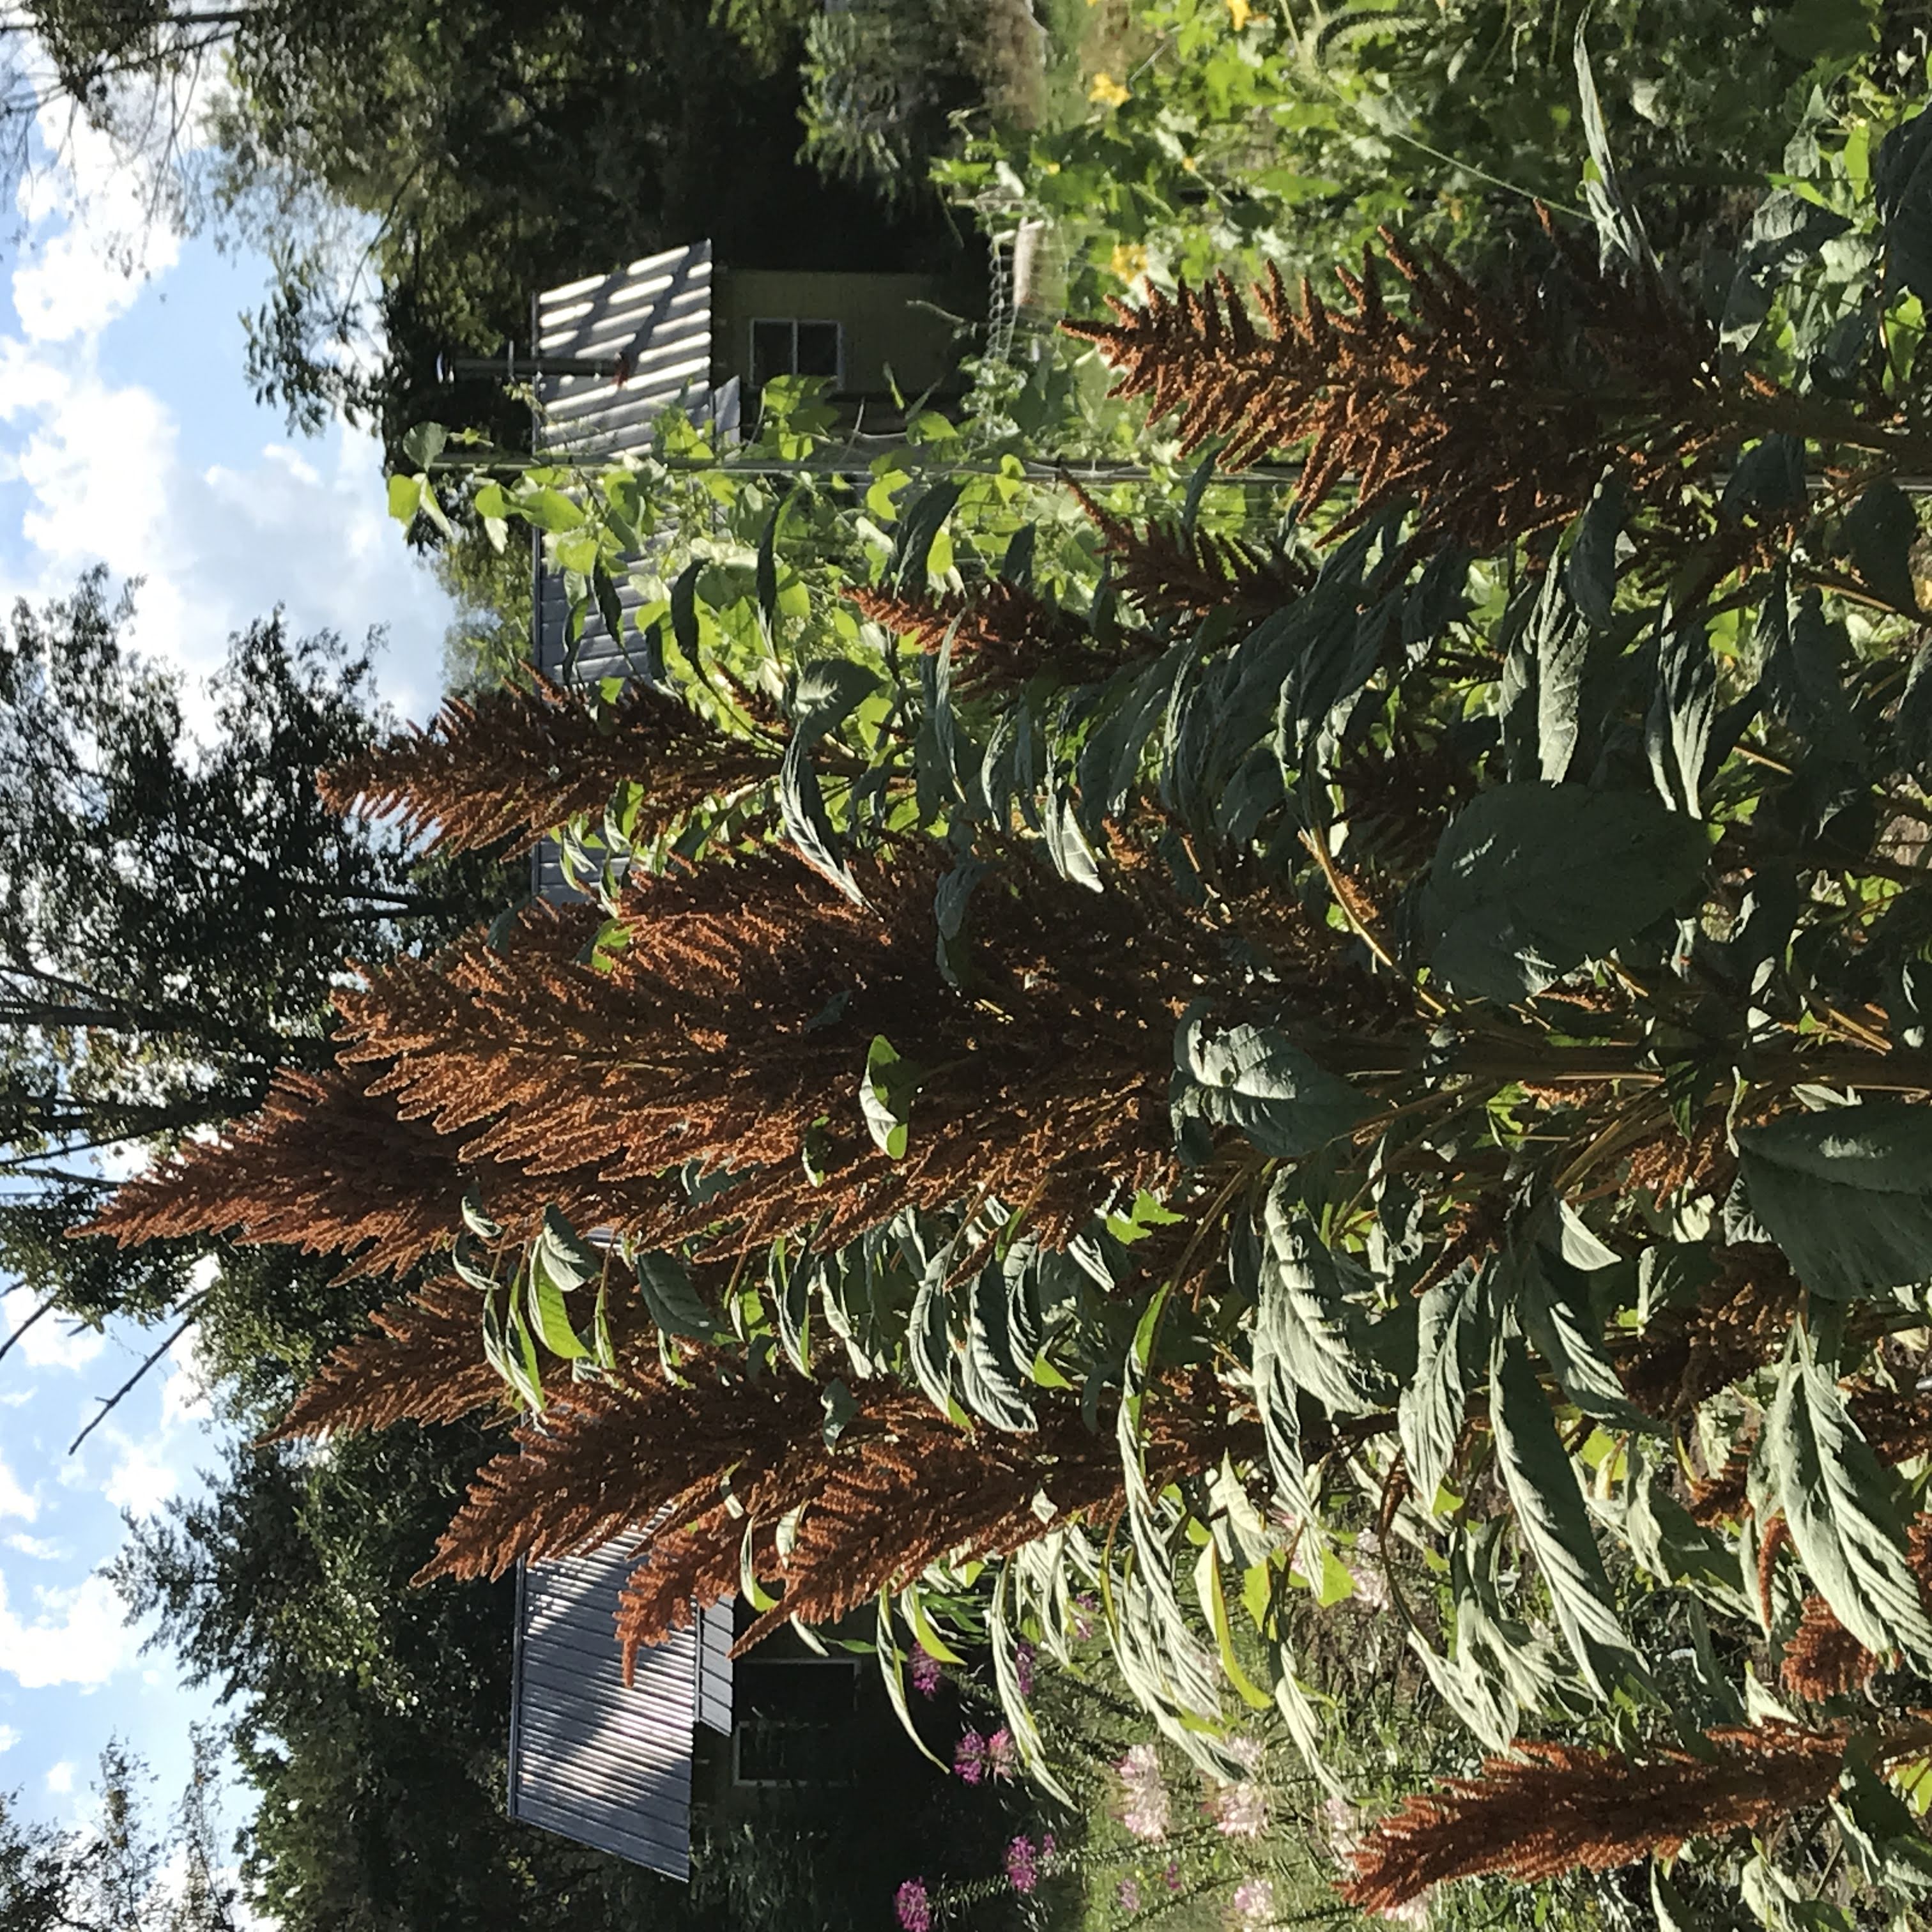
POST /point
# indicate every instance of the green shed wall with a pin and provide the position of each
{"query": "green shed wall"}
(884, 327)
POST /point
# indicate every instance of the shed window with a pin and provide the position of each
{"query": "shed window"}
(786, 346)
(791, 1716)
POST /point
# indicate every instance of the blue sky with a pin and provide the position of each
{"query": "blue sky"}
(128, 436)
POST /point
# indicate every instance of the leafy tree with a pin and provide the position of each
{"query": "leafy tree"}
(111, 1877)
(172, 918)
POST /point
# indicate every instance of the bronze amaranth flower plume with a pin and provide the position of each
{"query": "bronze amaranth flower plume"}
(1495, 412)
(735, 1020)
(636, 1452)
(1002, 633)
(331, 1169)
(516, 764)
(1162, 570)
(1549, 1808)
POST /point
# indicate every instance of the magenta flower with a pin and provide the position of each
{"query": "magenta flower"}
(1172, 1874)
(913, 1906)
(1049, 1844)
(1024, 1654)
(1129, 1895)
(1002, 1760)
(924, 1672)
(969, 1757)
(1022, 1864)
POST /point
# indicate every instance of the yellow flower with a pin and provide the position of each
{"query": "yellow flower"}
(1107, 90)
(1129, 259)
(1189, 164)
(1240, 13)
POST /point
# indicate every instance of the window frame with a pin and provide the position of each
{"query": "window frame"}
(793, 323)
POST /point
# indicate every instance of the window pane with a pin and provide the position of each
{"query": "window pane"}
(818, 349)
(771, 351)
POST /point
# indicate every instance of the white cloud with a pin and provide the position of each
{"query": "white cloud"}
(15, 1501)
(53, 1342)
(60, 1777)
(216, 545)
(9, 1737)
(141, 1482)
(91, 239)
(41, 1549)
(76, 1637)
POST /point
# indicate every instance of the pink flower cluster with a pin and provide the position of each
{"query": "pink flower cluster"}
(1239, 1809)
(924, 1672)
(1253, 1901)
(1146, 1813)
(913, 1906)
(975, 1757)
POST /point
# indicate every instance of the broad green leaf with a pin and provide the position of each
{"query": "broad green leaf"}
(928, 1342)
(1683, 704)
(1214, 1608)
(1552, 1299)
(1785, 236)
(566, 1256)
(479, 1223)
(406, 495)
(1304, 1320)
(828, 692)
(1902, 187)
(1018, 1714)
(891, 1669)
(993, 1383)
(548, 1315)
(1846, 1193)
(1880, 529)
(1529, 881)
(920, 525)
(1555, 1524)
(1255, 1079)
(789, 1279)
(674, 1303)
(885, 1090)
(1619, 232)
(1452, 1352)
(551, 510)
(807, 823)
(1841, 1503)
(1804, 681)
(930, 1641)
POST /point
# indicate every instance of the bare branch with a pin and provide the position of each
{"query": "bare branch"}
(110, 1403)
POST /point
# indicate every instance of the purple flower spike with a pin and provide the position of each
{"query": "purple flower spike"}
(1022, 1864)
(913, 1906)
(970, 1757)
(924, 1673)
(1024, 1654)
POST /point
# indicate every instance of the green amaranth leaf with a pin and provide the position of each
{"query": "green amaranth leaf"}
(1530, 880)
(1846, 1193)
(886, 1090)
(1555, 1523)
(1453, 1347)
(1840, 1503)
(993, 1383)
(1304, 1320)
(1255, 1079)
